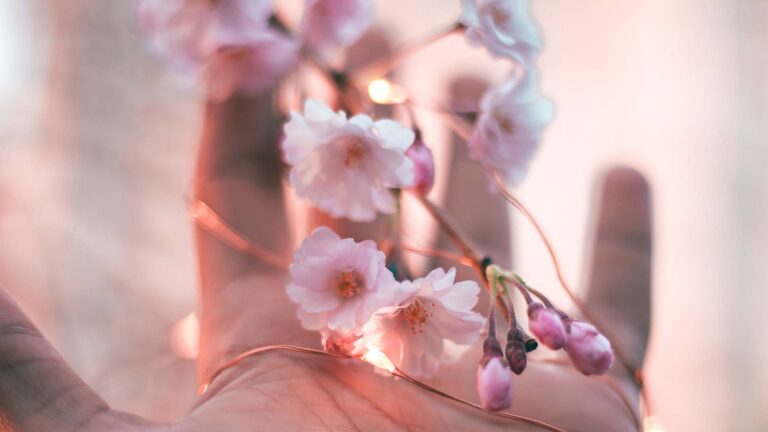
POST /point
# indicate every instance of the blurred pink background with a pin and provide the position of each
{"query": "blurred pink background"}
(97, 144)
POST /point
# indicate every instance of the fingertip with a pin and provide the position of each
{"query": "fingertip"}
(626, 181)
(625, 208)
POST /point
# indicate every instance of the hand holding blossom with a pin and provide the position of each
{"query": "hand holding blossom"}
(245, 305)
(341, 295)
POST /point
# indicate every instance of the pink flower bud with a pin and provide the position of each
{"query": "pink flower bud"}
(494, 384)
(589, 351)
(515, 350)
(337, 343)
(546, 325)
(423, 166)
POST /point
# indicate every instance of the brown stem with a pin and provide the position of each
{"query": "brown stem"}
(464, 248)
(522, 288)
(384, 65)
(436, 253)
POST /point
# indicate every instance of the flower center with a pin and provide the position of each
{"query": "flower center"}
(349, 283)
(505, 123)
(499, 16)
(353, 150)
(416, 316)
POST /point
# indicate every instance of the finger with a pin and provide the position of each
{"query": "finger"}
(38, 391)
(619, 288)
(239, 175)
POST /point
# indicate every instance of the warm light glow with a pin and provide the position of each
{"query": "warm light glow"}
(378, 359)
(384, 92)
(652, 424)
(184, 337)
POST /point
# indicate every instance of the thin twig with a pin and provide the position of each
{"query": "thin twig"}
(463, 246)
(385, 65)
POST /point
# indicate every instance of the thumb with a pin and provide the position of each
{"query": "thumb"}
(620, 282)
(38, 390)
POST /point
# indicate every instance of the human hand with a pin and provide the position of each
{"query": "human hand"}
(244, 305)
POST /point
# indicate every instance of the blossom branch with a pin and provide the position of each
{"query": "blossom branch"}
(558, 271)
(385, 65)
(466, 250)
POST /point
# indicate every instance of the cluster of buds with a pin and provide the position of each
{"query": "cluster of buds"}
(589, 351)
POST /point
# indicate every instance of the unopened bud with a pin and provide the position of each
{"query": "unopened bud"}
(515, 350)
(589, 351)
(494, 383)
(423, 166)
(546, 326)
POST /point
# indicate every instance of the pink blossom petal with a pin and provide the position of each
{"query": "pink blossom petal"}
(395, 136)
(462, 297)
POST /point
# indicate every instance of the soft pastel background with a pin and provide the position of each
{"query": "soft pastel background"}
(97, 144)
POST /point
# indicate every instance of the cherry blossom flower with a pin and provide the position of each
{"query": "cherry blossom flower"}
(347, 167)
(504, 27)
(338, 283)
(428, 311)
(424, 166)
(546, 325)
(225, 42)
(336, 23)
(512, 118)
(589, 351)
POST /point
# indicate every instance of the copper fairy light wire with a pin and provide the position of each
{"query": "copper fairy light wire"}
(208, 219)
(395, 372)
(436, 253)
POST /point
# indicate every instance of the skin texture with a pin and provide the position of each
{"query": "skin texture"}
(244, 305)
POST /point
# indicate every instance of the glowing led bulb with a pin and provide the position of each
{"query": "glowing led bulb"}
(652, 424)
(378, 359)
(184, 337)
(384, 92)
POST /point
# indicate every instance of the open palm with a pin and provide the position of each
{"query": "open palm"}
(244, 306)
